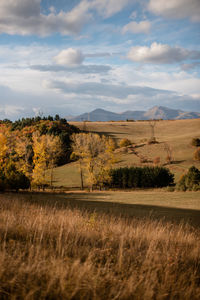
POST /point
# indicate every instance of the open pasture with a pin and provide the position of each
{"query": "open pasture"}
(177, 134)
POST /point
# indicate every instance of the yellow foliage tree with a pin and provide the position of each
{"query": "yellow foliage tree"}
(96, 155)
(46, 149)
(6, 144)
(24, 151)
(3, 147)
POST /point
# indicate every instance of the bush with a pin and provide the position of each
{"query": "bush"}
(190, 181)
(197, 154)
(195, 142)
(137, 177)
(15, 180)
(125, 143)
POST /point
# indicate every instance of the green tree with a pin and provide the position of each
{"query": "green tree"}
(190, 181)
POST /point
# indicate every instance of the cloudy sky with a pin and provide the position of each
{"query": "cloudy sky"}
(72, 56)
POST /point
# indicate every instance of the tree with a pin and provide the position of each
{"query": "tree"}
(152, 124)
(125, 142)
(24, 152)
(3, 147)
(14, 179)
(39, 160)
(197, 154)
(54, 151)
(47, 149)
(195, 142)
(169, 151)
(95, 155)
(191, 180)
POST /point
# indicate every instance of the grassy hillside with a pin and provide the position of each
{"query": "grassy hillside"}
(176, 133)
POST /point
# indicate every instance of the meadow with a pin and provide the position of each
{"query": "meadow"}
(100, 245)
(177, 134)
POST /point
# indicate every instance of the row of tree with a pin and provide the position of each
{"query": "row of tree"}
(141, 177)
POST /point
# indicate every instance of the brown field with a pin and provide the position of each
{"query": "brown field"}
(177, 133)
(86, 246)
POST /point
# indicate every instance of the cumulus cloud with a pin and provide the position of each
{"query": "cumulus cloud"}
(69, 57)
(25, 18)
(161, 54)
(75, 57)
(134, 27)
(176, 8)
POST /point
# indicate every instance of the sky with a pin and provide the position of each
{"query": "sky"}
(68, 57)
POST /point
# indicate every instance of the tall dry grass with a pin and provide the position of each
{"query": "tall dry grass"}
(52, 252)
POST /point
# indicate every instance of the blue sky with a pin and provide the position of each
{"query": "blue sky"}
(72, 56)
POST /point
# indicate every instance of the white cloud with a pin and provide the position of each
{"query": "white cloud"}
(134, 27)
(107, 8)
(176, 8)
(69, 57)
(24, 17)
(161, 54)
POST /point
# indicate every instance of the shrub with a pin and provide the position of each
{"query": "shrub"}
(125, 143)
(195, 142)
(137, 177)
(197, 154)
(190, 181)
(14, 179)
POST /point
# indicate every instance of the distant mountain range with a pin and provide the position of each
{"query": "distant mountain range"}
(156, 112)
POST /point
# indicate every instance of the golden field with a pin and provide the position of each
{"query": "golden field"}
(54, 248)
(177, 134)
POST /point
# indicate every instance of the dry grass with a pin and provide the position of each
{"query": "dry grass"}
(177, 134)
(49, 251)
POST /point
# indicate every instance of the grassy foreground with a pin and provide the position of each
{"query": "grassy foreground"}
(52, 250)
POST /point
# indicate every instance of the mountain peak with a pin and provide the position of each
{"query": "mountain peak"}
(156, 112)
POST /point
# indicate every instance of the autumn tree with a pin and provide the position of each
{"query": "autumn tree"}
(197, 154)
(54, 151)
(46, 149)
(10, 176)
(24, 152)
(96, 156)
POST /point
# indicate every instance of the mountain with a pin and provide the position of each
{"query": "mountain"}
(156, 112)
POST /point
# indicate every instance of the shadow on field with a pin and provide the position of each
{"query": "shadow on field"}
(96, 202)
(107, 133)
